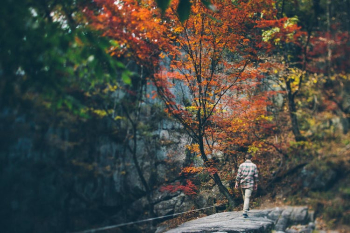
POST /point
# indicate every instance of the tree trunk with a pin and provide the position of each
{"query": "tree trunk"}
(317, 11)
(133, 151)
(348, 14)
(223, 190)
(140, 173)
(329, 50)
(293, 114)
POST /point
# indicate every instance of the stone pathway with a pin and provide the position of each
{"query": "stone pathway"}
(259, 221)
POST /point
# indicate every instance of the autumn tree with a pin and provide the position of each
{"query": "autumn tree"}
(213, 68)
(285, 36)
(328, 64)
(135, 29)
(204, 68)
(244, 128)
(320, 49)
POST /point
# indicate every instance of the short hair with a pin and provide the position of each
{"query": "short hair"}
(248, 156)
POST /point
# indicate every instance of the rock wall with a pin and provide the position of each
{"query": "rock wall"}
(75, 174)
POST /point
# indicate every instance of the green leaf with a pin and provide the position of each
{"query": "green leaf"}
(184, 10)
(69, 104)
(206, 3)
(163, 5)
(235, 2)
(114, 43)
(126, 78)
(59, 103)
(119, 65)
(213, 18)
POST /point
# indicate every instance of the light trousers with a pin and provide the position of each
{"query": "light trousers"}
(247, 193)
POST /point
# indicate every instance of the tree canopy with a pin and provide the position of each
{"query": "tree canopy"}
(270, 78)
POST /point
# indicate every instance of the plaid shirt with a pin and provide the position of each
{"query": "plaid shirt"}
(247, 174)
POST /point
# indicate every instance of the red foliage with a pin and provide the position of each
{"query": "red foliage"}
(332, 48)
(190, 171)
(189, 188)
(287, 32)
(134, 26)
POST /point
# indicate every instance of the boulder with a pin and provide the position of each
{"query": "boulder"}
(283, 220)
(320, 177)
(226, 222)
(259, 221)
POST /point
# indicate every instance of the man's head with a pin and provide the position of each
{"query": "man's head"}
(248, 156)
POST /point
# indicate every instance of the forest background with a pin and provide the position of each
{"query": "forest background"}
(116, 111)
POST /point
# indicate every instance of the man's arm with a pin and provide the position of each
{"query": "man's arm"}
(256, 178)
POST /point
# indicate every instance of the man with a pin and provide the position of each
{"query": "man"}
(247, 177)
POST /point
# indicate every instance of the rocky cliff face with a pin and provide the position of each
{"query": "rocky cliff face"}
(75, 174)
